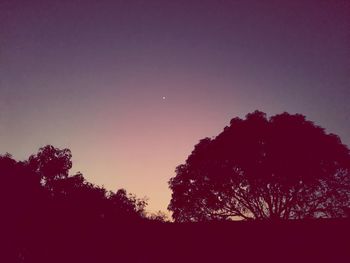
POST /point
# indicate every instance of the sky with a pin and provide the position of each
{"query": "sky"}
(131, 86)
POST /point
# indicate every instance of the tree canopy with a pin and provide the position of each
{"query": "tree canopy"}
(42, 185)
(282, 167)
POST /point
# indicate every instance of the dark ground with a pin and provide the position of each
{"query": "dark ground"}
(145, 241)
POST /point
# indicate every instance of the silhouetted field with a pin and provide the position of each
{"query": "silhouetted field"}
(148, 241)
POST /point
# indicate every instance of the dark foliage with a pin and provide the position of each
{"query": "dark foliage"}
(47, 213)
(284, 167)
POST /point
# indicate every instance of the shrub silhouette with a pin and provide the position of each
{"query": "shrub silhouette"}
(284, 167)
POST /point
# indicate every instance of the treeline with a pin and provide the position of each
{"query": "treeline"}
(284, 176)
(49, 215)
(42, 185)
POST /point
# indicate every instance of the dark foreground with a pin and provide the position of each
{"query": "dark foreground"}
(144, 241)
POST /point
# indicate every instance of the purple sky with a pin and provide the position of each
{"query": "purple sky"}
(91, 76)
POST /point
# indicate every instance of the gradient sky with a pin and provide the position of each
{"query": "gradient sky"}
(90, 75)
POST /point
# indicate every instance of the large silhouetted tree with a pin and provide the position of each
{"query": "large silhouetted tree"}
(283, 167)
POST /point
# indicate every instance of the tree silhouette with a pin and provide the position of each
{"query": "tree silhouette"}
(49, 215)
(284, 167)
(159, 216)
(42, 189)
(51, 164)
(127, 204)
(52, 216)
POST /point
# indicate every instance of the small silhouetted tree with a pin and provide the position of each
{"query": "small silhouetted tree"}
(283, 167)
(159, 216)
(51, 164)
(127, 204)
